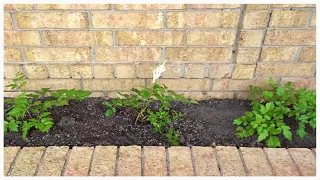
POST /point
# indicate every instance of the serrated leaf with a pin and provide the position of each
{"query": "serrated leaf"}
(267, 94)
(286, 132)
(237, 121)
(263, 135)
(110, 112)
(273, 142)
(280, 91)
(301, 133)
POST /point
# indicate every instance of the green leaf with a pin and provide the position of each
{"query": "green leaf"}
(286, 132)
(273, 142)
(110, 112)
(301, 133)
(280, 91)
(237, 121)
(267, 94)
(145, 93)
(263, 135)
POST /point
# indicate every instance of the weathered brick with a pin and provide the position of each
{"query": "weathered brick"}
(281, 162)
(73, 6)
(149, 6)
(27, 161)
(195, 70)
(305, 160)
(7, 22)
(289, 18)
(250, 38)
(57, 54)
(243, 95)
(208, 95)
(155, 37)
(145, 70)
(308, 54)
(230, 162)
(198, 54)
(80, 38)
(308, 83)
(18, 6)
(214, 6)
(247, 56)
(21, 38)
(313, 22)
(124, 54)
(125, 71)
(154, 161)
(290, 37)
(217, 19)
(97, 94)
(51, 20)
(9, 155)
(104, 160)
(214, 37)
(239, 85)
(115, 94)
(172, 71)
(12, 55)
(243, 71)
(81, 71)
(256, 162)
(11, 94)
(112, 84)
(220, 71)
(5, 83)
(205, 161)
(287, 69)
(292, 5)
(55, 84)
(129, 161)
(103, 71)
(53, 161)
(279, 53)
(257, 6)
(186, 84)
(255, 20)
(36, 71)
(10, 71)
(150, 20)
(59, 71)
(79, 161)
(180, 161)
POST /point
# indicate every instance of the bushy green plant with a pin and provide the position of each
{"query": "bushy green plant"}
(27, 110)
(269, 107)
(140, 100)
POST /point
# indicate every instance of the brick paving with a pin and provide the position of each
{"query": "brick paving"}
(158, 161)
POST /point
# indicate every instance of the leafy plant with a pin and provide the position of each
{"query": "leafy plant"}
(269, 107)
(27, 110)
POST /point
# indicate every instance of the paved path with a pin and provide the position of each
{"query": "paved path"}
(158, 161)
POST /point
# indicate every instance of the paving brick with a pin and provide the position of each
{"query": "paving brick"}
(172, 71)
(220, 70)
(18, 6)
(243, 71)
(36, 71)
(205, 161)
(55, 84)
(281, 162)
(59, 71)
(9, 155)
(154, 161)
(103, 71)
(313, 21)
(230, 162)
(255, 20)
(149, 6)
(27, 161)
(308, 83)
(7, 22)
(126, 70)
(81, 71)
(250, 38)
(256, 162)
(247, 56)
(305, 160)
(186, 84)
(279, 53)
(290, 37)
(214, 6)
(195, 70)
(79, 161)
(289, 18)
(12, 55)
(112, 84)
(73, 6)
(129, 161)
(257, 6)
(308, 54)
(285, 69)
(104, 161)
(21, 38)
(214, 37)
(57, 54)
(53, 161)
(180, 161)
(10, 71)
(198, 54)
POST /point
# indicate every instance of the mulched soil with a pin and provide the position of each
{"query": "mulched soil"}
(208, 123)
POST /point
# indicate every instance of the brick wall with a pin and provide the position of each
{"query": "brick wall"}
(212, 50)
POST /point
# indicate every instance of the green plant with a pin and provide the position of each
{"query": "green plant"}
(140, 100)
(27, 110)
(269, 107)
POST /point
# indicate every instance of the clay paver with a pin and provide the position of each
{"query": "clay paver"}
(230, 162)
(9, 155)
(104, 161)
(205, 161)
(129, 161)
(305, 160)
(314, 150)
(154, 161)
(180, 161)
(53, 161)
(79, 161)
(27, 161)
(281, 162)
(256, 162)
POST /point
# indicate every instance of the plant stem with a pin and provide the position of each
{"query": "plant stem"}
(141, 112)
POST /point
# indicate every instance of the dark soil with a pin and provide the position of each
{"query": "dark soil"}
(209, 122)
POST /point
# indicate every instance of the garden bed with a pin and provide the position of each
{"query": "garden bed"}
(207, 123)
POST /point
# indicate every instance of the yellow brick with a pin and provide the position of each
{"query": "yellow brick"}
(112, 84)
(79, 38)
(290, 37)
(18, 6)
(255, 20)
(5, 83)
(195, 70)
(288, 18)
(313, 21)
(36, 71)
(11, 94)
(292, 5)
(59, 71)
(243, 95)
(10, 71)
(308, 83)
(279, 53)
(54, 84)
(81, 71)
(247, 56)
(214, 6)
(150, 20)
(218, 71)
(214, 37)
(292, 69)
(126, 71)
(145, 70)
(223, 19)
(7, 22)
(185, 84)
(149, 6)
(12, 55)
(124, 54)
(198, 96)
(51, 20)
(257, 6)
(243, 72)
(115, 94)
(308, 54)
(57, 54)
(240, 85)
(198, 54)
(97, 94)
(73, 6)
(172, 71)
(104, 71)
(250, 38)
(150, 38)
(21, 38)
